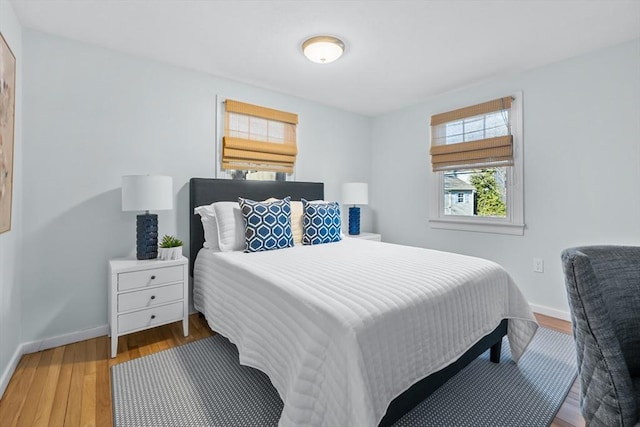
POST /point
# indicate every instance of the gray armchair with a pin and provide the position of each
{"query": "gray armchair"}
(603, 283)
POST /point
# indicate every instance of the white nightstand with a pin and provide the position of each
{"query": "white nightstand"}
(366, 236)
(145, 294)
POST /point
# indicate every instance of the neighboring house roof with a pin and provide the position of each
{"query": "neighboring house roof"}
(451, 183)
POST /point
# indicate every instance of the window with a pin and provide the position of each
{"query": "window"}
(258, 142)
(476, 158)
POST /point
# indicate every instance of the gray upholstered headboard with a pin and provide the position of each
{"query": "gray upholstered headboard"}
(204, 191)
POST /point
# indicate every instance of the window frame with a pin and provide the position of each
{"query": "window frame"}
(513, 223)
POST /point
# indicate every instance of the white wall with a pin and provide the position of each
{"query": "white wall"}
(93, 115)
(10, 289)
(582, 167)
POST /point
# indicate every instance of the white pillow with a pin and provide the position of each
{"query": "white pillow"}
(230, 226)
(208, 218)
(297, 219)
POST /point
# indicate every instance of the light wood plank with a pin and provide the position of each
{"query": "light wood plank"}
(74, 402)
(35, 391)
(104, 414)
(146, 343)
(90, 367)
(45, 405)
(133, 345)
(553, 323)
(16, 393)
(156, 341)
(88, 410)
(167, 337)
(61, 398)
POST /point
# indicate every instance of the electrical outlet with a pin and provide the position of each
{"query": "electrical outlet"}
(538, 265)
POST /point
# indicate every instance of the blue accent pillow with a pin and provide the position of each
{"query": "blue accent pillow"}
(321, 222)
(267, 224)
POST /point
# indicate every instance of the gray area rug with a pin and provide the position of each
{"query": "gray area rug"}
(202, 384)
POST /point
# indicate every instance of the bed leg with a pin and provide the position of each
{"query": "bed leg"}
(494, 353)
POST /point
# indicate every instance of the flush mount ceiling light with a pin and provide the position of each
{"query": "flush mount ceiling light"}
(323, 49)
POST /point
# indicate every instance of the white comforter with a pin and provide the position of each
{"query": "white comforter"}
(344, 328)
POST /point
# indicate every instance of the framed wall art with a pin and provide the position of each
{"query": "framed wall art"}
(7, 120)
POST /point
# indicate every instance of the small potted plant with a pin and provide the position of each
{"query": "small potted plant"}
(170, 248)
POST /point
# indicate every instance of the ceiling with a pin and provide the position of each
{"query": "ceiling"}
(398, 53)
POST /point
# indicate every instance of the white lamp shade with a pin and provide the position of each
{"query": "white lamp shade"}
(355, 193)
(147, 193)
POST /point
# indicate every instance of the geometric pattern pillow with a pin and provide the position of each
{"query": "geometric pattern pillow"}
(267, 224)
(321, 222)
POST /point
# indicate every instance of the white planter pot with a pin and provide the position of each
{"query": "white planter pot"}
(170, 253)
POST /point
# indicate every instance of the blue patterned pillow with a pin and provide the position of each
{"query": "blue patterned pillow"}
(321, 222)
(267, 224)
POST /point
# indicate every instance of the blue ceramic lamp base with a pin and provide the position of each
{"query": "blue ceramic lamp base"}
(147, 236)
(354, 220)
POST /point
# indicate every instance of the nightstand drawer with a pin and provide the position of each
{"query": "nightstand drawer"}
(150, 317)
(154, 276)
(149, 297)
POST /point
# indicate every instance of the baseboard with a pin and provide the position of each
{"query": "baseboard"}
(552, 312)
(57, 341)
(10, 369)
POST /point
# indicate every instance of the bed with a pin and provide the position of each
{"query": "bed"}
(354, 332)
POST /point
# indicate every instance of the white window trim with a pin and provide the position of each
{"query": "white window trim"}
(514, 222)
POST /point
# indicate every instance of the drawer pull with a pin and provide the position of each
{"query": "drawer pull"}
(153, 297)
(153, 277)
(153, 316)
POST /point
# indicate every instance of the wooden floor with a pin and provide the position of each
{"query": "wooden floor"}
(71, 385)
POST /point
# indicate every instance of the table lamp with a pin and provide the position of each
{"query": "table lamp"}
(355, 193)
(147, 193)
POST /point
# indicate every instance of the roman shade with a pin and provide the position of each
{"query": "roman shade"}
(477, 136)
(258, 138)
